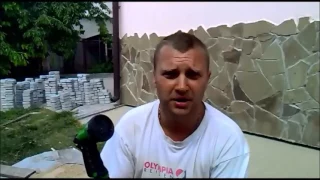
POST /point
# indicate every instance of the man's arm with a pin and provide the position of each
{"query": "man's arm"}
(232, 168)
(117, 158)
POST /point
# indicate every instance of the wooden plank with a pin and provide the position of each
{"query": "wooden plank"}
(15, 172)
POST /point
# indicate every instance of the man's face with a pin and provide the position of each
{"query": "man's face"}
(181, 79)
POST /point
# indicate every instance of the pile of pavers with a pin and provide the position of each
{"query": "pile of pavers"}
(7, 93)
(52, 92)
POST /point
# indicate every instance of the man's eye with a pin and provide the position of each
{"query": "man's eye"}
(170, 74)
(192, 75)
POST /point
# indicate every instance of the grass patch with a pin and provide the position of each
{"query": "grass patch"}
(35, 134)
(14, 113)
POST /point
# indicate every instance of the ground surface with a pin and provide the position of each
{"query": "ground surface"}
(35, 133)
(269, 158)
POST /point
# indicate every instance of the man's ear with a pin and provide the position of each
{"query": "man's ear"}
(209, 75)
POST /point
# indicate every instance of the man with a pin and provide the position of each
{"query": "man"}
(177, 136)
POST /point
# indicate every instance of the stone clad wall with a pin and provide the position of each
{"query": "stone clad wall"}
(265, 77)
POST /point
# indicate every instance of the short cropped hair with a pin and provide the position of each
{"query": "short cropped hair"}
(181, 42)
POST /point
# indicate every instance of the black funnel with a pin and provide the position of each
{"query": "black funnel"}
(100, 128)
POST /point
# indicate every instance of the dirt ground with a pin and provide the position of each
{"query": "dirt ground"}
(64, 171)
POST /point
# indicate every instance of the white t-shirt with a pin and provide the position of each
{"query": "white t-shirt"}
(140, 149)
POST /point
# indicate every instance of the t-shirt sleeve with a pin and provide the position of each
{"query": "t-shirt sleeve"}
(232, 168)
(117, 158)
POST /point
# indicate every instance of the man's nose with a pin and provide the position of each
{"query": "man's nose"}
(182, 84)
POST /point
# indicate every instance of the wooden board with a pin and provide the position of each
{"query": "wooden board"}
(15, 172)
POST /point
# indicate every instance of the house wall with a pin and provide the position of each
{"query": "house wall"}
(264, 60)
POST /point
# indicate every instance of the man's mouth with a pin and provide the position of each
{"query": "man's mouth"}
(181, 99)
(181, 103)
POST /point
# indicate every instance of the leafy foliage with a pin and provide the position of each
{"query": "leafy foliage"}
(28, 30)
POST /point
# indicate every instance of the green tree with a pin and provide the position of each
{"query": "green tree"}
(29, 30)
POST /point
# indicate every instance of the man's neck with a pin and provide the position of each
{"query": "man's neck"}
(179, 128)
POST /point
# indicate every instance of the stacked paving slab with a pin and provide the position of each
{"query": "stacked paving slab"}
(55, 93)
(7, 93)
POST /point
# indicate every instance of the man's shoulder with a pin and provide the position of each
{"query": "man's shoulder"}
(225, 132)
(218, 119)
(137, 115)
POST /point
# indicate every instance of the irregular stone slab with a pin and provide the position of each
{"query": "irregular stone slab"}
(246, 64)
(210, 42)
(266, 37)
(303, 22)
(256, 28)
(308, 105)
(218, 97)
(238, 106)
(219, 31)
(232, 55)
(201, 34)
(278, 82)
(132, 85)
(123, 61)
(272, 104)
(294, 131)
(231, 69)
(313, 58)
(222, 80)
(300, 118)
(229, 92)
(314, 69)
(317, 25)
(151, 54)
(129, 66)
(139, 79)
(214, 68)
(146, 96)
(237, 30)
(125, 74)
(134, 41)
(133, 54)
(127, 96)
(247, 46)
(307, 36)
(286, 28)
(154, 40)
(225, 43)
(293, 51)
(266, 123)
(266, 44)
(297, 74)
(273, 52)
(290, 110)
(296, 96)
(312, 130)
(146, 66)
(145, 84)
(312, 86)
(257, 51)
(144, 42)
(237, 43)
(271, 67)
(215, 51)
(238, 92)
(191, 32)
(316, 47)
(144, 56)
(243, 119)
(249, 81)
(141, 102)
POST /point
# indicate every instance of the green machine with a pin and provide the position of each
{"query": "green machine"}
(100, 128)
